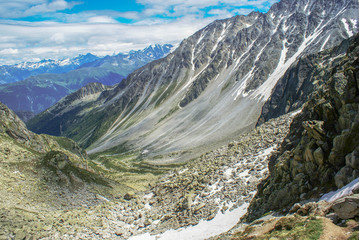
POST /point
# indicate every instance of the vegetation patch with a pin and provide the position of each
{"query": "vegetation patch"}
(293, 227)
(59, 163)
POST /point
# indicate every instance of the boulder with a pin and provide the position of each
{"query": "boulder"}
(352, 160)
(130, 195)
(319, 156)
(342, 177)
(347, 207)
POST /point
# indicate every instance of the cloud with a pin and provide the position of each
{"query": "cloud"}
(101, 19)
(100, 32)
(25, 8)
(59, 40)
(183, 7)
(9, 51)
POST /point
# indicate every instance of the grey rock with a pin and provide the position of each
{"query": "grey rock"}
(352, 160)
(347, 207)
(319, 156)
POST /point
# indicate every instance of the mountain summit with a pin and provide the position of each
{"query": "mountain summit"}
(210, 89)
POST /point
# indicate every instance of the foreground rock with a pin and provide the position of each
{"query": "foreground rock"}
(347, 207)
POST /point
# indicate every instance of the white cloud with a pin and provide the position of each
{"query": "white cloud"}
(24, 8)
(58, 40)
(99, 32)
(101, 19)
(183, 7)
(9, 51)
(220, 12)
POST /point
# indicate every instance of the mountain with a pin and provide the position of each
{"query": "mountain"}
(210, 89)
(125, 63)
(320, 152)
(21, 71)
(310, 151)
(39, 92)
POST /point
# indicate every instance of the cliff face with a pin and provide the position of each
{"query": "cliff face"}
(321, 151)
(302, 78)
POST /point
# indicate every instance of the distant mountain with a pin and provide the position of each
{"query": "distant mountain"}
(211, 88)
(125, 63)
(37, 93)
(21, 71)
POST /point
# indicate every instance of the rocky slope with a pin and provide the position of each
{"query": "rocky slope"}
(201, 190)
(320, 152)
(38, 174)
(164, 110)
(37, 93)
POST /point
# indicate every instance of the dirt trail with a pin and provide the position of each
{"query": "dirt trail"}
(332, 231)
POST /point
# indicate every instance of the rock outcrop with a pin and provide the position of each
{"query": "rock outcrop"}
(321, 151)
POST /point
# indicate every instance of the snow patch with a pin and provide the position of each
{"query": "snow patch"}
(265, 89)
(201, 37)
(266, 152)
(148, 196)
(221, 223)
(228, 172)
(225, 27)
(344, 191)
(293, 114)
(325, 42)
(192, 59)
(354, 22)
(240, 91)
(183, 171)
(306, 7)
(65, 62)
(346, 26)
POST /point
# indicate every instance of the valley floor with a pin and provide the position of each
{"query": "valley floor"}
(203, 199)
(217, 186)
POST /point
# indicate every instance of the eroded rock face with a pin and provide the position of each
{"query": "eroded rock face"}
(321, 150)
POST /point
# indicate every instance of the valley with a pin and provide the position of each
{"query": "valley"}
(247, 130)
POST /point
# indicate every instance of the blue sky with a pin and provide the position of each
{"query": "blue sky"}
(39, 29)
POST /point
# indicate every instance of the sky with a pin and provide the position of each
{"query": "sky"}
(31, 30)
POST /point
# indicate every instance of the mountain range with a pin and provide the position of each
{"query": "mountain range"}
(21, 71)
(248, 130)
(37, 93)
(209, 90)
